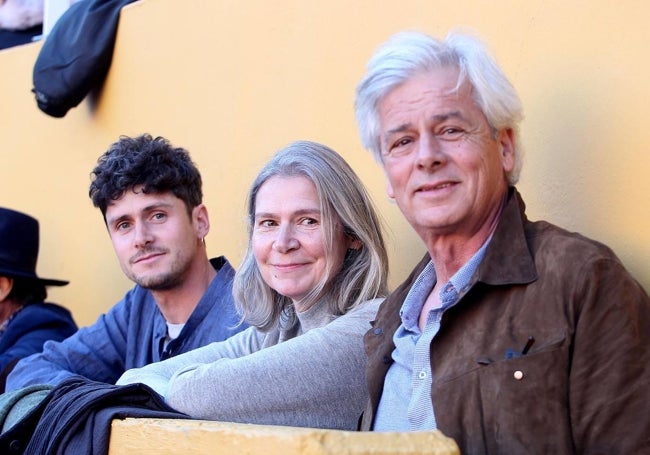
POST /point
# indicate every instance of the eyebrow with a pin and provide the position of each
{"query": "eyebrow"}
(146, 209)
(436, 118)
(297, 212)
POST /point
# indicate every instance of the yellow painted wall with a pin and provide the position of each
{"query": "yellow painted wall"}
(235, 80)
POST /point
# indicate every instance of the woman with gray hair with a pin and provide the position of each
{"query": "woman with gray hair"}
(310, 283)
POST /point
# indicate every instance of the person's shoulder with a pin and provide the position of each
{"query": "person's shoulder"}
(47, 309)
(137, 295)
(138, 302)
(574, 256)
(548, 237)
(365, 310)
(369, 305)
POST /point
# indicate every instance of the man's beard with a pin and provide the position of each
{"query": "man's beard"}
(166, 280)
(162, 282)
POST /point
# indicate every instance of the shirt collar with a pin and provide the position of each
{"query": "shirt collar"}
(457, 285)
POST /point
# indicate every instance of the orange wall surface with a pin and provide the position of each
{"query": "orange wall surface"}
(233, 81)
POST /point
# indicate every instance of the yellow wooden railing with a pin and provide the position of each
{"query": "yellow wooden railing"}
(198, 437)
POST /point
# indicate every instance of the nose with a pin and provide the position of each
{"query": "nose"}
(285, 240)
(142, 235)
(429, 152)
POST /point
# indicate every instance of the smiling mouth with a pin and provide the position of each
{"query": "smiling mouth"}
(440, 186)
(287, 267)
(145, 257)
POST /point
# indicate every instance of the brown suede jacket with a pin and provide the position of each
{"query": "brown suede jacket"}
(584, 385)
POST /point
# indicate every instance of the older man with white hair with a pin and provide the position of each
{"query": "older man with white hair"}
(510, 336)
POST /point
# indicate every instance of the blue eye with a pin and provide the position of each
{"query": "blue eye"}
(308, 221)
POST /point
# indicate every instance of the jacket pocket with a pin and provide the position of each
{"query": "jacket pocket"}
(524, 401)
(519, 405)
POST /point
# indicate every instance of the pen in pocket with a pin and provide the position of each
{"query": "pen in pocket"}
(529, 343)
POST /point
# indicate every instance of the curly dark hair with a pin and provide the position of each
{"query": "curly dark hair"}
(153, 163)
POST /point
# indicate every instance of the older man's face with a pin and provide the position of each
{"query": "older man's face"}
(445, 165)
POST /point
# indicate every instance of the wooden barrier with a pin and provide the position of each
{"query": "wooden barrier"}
(170, 436)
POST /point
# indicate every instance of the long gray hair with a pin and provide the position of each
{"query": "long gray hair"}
(344, 202)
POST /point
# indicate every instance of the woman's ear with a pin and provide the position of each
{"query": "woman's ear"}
(354, 243)
(6, 285)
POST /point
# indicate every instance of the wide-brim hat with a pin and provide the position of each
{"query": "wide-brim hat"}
(19, 242)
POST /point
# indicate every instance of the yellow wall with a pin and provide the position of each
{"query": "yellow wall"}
(234, 80)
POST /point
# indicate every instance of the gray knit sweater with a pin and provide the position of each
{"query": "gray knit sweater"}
(309, 375)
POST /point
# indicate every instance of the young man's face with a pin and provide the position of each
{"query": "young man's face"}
(154, 238)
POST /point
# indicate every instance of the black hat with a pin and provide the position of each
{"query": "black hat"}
(19, 247)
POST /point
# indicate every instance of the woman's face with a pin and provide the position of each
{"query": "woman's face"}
(289, 240)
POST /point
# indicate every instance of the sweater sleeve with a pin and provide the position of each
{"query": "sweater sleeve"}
(157, 375)
(314, 380)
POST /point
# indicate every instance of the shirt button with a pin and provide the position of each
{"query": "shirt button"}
(518, 375)
(16, 446)
(422, 374)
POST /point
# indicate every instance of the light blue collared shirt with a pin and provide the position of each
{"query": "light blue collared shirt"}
(405, 403)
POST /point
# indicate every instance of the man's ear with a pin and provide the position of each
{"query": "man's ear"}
(506, 138)
(201, 220)
(6, 285)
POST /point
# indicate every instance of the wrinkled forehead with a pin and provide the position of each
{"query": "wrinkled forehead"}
(425, 90)
(447, 79)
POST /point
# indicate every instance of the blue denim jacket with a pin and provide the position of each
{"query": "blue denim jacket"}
(130, 335)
